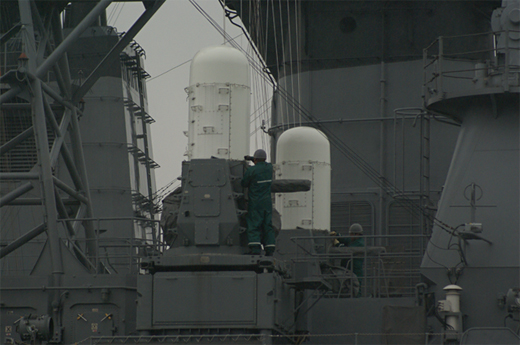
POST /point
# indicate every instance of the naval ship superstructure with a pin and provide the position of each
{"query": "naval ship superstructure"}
(396, 86)
(401, 116)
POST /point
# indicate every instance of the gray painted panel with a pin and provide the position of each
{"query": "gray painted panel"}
(213, 175)
(344, 317)
(144, 302)
(206, 202)
(487, 154)
(207, 232)
(94, 320)
(266, 300)
(204, 298)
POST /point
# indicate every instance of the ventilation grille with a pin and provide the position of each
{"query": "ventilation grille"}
(23, 157)
(344, 214)
(402, 222)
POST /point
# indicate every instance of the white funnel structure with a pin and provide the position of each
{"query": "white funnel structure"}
(219, 99)
(304, 153)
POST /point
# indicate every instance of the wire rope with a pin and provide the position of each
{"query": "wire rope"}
(121, 10)
(167, 71)
(183, 63)
(340, 145)
(291, 60)
(343, 148)
(112, 11)
(298, 5)
(257, 64)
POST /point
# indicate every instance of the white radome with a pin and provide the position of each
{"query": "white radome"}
(304, 153)
(219, 104)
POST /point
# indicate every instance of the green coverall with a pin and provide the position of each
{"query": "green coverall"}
(358, 262)
(258, 179)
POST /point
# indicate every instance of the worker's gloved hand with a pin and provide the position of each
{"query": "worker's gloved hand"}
(335, 241)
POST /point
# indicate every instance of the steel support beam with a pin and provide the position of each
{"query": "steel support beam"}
(77, 149)
(25, 106)
(80, 182)
(43, 114)
(62, 211)
(18, 176)
(46, 181)
(72, 38)
(49, 115)
(11, 144)
(42, 144)
(12, 32)
(20, 241)
(64, 187)
(50, 91)
(69, 162)
(42, 149)
(116, 50)
(39, 202)
(58, 129)
(10, 94)
(12, 195)
(32, 77)
(44, 39)
(72, 235)
(63, 62)
(58, 145)
(75, 164)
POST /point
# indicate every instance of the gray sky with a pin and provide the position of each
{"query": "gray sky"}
(173, 36)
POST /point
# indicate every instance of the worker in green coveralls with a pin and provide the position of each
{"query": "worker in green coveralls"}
(258, 179)
(355, 239)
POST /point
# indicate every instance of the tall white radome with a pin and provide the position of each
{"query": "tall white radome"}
(304, 153)
(219, 99)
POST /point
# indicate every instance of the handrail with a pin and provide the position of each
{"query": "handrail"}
(127, 250)
(441, 64)
(388, 271)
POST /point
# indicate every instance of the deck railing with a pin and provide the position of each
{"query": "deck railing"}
(449, 66)
(123, 253)
(391, 264)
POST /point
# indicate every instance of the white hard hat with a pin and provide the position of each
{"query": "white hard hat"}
(260, 154)
(355, 229)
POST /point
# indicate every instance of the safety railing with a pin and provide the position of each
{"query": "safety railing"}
(464, 63)
(20, 262)
(390, 264)
(136, 238)
(313, 338)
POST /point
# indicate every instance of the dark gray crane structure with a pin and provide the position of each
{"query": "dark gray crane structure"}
(38, 81)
